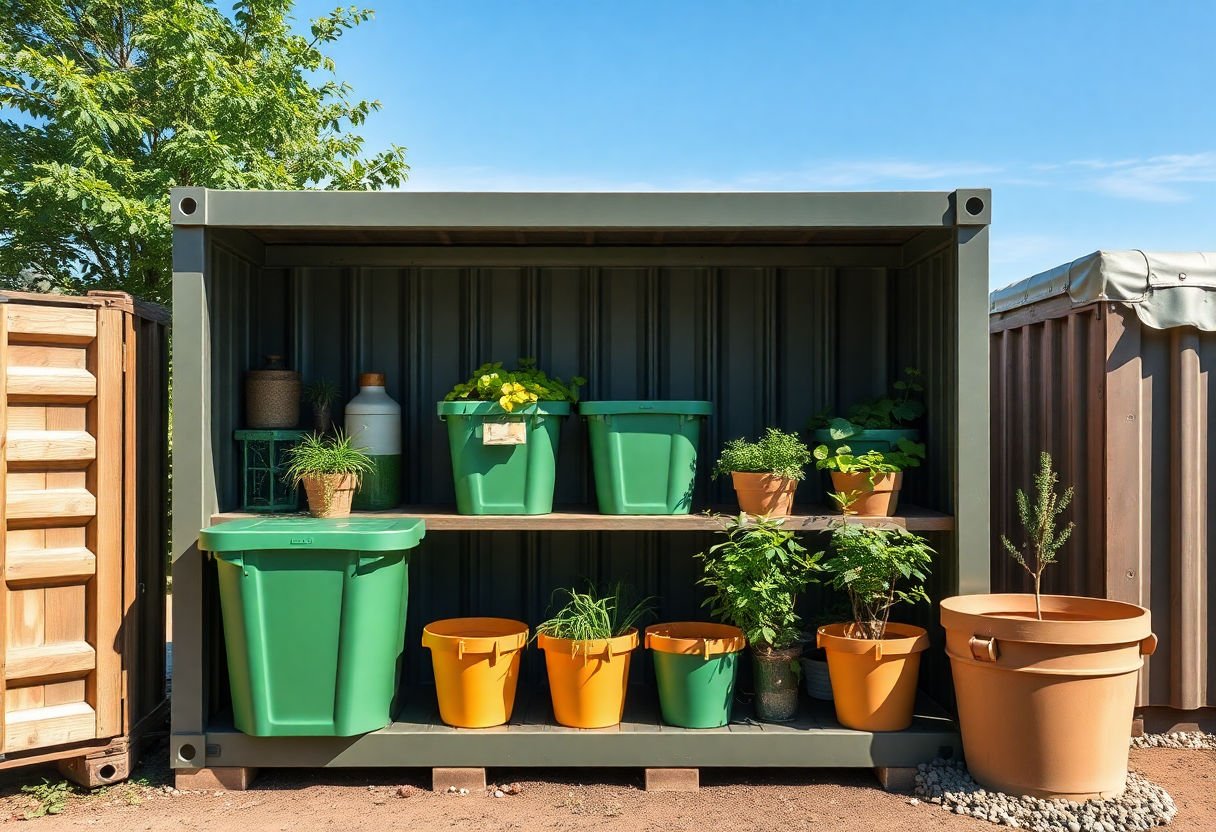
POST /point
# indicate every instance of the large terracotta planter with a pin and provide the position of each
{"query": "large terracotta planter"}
(877, 499)
(1045, 707)
(330, 495)
(588, 679)
(764, 493)
(873, 680)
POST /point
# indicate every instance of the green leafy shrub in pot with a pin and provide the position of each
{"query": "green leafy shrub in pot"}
(873, 662)
(765, 473)
(876, 423)
(868, 484)
(754, 577)
(331, 469)
(513, 389)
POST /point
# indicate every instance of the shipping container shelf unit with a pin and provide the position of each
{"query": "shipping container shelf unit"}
(772, 306)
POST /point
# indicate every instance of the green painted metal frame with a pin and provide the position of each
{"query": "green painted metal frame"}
(963, 214)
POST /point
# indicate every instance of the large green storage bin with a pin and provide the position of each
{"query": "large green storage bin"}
(644, 454)
(314, 620)
(503, 479)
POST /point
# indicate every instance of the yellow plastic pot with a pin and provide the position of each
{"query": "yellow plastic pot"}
(874, 681)
(476, 662)
(588, 679)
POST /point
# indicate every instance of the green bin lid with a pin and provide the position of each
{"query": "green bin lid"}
(681, 408)
(480, 408)
(356, 534)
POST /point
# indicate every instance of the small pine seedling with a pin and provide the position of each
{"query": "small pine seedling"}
(1043, 539)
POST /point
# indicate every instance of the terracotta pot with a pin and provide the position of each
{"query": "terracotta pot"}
(1045, 707)
(764, 493)
(874, 680)
(775, 674)
(330, 495)
(879, 499)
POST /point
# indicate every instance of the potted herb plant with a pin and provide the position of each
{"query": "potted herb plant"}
(754, 577)
(1045, 684)
(868, 484)
(765, 473)
(587, 644)
(331, 469)
(502, 431)
(320, 396)
(874, 662)
(876, 424)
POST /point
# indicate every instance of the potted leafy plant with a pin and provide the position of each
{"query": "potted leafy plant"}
(1045, 684)
(874, 662)
(320, 396)
(765, 473)
(876, 424)
(868, 484)
(502, 431)
(754, 577)
(331, 469)
(587, 644)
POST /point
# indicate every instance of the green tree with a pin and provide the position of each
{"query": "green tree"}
(106, 104)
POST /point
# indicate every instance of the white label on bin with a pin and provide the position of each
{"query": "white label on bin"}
(504, 433)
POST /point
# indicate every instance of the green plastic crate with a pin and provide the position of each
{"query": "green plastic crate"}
(314, 620)
(644, 454)
(264, 483)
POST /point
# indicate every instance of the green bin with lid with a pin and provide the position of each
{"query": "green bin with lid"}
(644, 454)
(314, 620)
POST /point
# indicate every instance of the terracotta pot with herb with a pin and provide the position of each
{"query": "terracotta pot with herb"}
(868, 484)
(331, 469)
(765, 473)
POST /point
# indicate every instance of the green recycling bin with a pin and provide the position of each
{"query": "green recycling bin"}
(644, 454)
(506, 468)
(314, 620)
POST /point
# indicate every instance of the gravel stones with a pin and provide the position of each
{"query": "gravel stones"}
(1142, 805)
(1177, 739)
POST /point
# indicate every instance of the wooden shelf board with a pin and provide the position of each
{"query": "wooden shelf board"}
(808, 518)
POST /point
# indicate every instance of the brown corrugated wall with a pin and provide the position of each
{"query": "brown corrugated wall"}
(1124, 410)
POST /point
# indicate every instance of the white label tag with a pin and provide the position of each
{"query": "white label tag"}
(504, 433)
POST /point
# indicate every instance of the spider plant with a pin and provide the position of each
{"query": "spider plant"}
(590, 615)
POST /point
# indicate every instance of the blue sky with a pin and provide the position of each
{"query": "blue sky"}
(1094, 123)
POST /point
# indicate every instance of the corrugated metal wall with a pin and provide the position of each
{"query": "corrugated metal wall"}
(768, 345)
(1125, 411)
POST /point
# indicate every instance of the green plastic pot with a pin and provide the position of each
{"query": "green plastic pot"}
(503, 479)
(644, 454)
(867, 440)
(314, 620)
(695, 664)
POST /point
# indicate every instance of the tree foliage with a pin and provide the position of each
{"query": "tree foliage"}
(1043, 540)
(107, 104)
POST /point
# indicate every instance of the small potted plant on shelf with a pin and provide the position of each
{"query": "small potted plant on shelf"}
(320, 396)
(876, 424)
(502, 431)
(868, 484)
(874, 662)
(587, 645)
(754, 577)
(331, 470)
(1045, 684)
(765, 473)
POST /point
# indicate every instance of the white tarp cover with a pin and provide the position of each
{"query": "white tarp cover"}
(1167, 289)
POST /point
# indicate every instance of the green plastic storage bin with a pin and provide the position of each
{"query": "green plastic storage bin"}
(314, 620)
(867, 440)
(644, 454)
(503, 479)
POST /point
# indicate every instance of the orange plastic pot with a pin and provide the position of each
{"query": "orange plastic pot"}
(764, 494)
(877, 499)
(1045, 707)
(588, 679)
(476, 662)
(873, 680)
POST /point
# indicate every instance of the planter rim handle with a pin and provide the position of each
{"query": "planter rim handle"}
(1148, 645)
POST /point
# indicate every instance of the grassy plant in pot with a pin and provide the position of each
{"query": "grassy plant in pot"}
(765, 473)
(868, 484)
(876, 424)
(874, 662)
(754, 577)
(587, 644)
(1045, 684)
(320, 396)
(331, 469)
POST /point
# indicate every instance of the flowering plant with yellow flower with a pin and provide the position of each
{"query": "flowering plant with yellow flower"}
(518, 388)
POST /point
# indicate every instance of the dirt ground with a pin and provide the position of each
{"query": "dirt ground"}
(732, 800)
